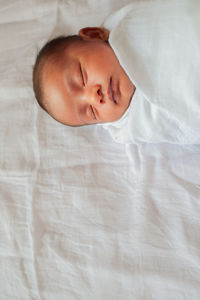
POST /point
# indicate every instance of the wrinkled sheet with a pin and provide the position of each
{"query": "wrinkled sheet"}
(82, 217)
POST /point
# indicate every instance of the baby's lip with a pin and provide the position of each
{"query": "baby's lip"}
(111, 92)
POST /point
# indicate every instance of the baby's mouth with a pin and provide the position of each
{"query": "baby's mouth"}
(110, 92)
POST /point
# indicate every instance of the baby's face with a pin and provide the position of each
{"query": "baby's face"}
(86, 85)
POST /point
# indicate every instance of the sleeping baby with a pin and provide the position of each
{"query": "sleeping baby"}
(138, 76)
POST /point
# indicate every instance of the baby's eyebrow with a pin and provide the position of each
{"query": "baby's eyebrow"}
(70, 70)
(82, 114)
(74, 73)
(79, 111)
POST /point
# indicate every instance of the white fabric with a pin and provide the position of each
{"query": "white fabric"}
(83, 217)
(158, 44)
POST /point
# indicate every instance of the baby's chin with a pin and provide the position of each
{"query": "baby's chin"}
(130, 89)
(127, 86)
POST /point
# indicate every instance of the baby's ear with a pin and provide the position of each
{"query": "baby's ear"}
(94, 33)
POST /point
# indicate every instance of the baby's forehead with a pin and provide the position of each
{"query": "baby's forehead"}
(62, 58)
(73, 51)
(66, 53)
(55, 61)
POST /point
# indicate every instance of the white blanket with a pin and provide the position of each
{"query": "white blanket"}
(158, 44)
(81, 216)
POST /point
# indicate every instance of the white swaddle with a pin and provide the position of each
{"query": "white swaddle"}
(158, 44)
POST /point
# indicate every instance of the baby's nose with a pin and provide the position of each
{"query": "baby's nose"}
(94, 94)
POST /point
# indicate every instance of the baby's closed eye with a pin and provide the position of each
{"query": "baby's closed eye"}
(82, 75)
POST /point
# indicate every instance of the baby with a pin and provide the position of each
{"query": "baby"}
(78, 80)
(139, 78)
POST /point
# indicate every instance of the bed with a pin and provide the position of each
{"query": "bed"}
(82, 217)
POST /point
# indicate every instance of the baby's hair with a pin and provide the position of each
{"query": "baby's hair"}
(49, 50)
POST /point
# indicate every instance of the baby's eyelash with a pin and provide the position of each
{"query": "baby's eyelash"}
(93, 112)
(82, 74)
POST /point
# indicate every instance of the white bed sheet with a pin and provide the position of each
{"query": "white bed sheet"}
(82, 217)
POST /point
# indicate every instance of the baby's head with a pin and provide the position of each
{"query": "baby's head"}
(78, 80)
